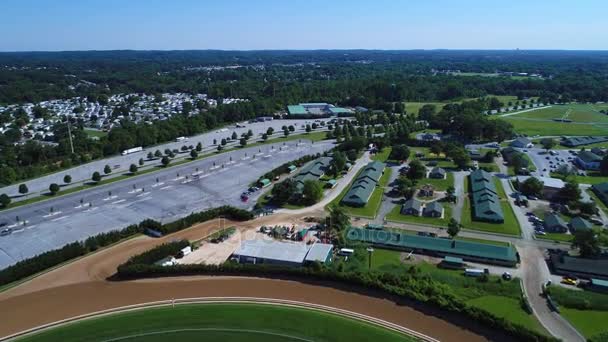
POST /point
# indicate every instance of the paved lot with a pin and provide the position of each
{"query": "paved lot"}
(84, 172)
(53, 223)
(545, 166)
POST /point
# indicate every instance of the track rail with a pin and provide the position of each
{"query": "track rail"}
(225, 300)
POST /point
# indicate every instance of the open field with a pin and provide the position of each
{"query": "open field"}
(586, 310)
(592, 177)
(251, 322)
(499, 297)
(439, 184)
(510, 226)
(586, 120)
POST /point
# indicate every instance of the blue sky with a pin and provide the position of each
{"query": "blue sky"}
(51, 25)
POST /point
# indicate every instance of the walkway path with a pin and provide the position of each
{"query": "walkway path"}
(459, 193)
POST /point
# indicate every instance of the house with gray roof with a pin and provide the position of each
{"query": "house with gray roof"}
(579, 223)
(412, 207)
(554, 223)
(437, 173)
(486, 204)
(313, 170)
(521, 142)
(363, 186)
(433, 209)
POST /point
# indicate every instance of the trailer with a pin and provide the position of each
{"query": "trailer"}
(132, 150)
(346, 252)
(178, 139)
(473, 272)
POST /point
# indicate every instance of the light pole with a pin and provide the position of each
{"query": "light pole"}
(370, 250)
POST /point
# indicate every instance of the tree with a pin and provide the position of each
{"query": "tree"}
(165, 161)
(23, 189)
(199, 147)
(158, 154)
(405, 187)
(587, 243)
(312, 191)
(282, 192)
(291, 128)
(219, 148)
(285, 132)
(234, 136)
(150, 155)
(5, 200)
(547, 143)
(532, 187)
(243, 142)
(604, 166)
(107, 169)
(67, 179)
(133, 168)
(96, 177)
(436, 147)
(453, 228)
(570, 192)
(249, 133)
(53, 189)
(338, 219)
(308, 129)
(223, 142)
(517, 161)
(400, 152)
(460, 157)
(193, 154)
(416, 171)
(265, 136)
(450, 194)
(338, 163)
(141, 162)
(269, 131)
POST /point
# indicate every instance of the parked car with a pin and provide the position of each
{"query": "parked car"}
(5, 232)
(506, 276)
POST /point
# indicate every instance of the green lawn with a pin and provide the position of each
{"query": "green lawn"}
(510, 226)
(220, 322)
(371, 208)
(591, 178)
(586, 121)
(498, 297)
(439, 184)
(382, 156)
(396, 216)
(562, 237)
(587, 322)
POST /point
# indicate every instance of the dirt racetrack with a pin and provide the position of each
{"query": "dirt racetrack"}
(80, 287)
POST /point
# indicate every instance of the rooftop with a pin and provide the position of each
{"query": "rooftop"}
(319, 252)
(273, 250)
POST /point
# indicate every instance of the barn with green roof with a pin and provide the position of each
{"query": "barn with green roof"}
(363, 186)
(486, 204)
(439, 247)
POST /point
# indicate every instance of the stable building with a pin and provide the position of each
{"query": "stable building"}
(313, 170)
(551, 186)
(588, 160)
(438, 247)
(320, 252)
(271, 252)
(564, 264)
(601, 190)
(486, 204)
(364, 185)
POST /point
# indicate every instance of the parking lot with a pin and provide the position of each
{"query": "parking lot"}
(549, 162)
(164, 195)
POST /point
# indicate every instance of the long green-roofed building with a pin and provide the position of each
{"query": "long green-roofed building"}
(486, 204)
(440, 247)
(363, 186)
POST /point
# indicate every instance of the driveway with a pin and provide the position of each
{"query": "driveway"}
(459, 193)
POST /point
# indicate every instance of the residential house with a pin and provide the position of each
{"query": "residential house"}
(412, 207)
(579, 223)
(433, 209)
(521, 142)
(437, 173)
(554, 223)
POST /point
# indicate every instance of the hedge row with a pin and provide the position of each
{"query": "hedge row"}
(157, 253)
(421, 288)
(44, 261)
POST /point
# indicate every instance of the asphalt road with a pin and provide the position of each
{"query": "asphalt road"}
(84, 172)
(219, 181)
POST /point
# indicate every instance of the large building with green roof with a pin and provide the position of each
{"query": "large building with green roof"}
(363, 186)
(601, 190)
(440, 247)
(317, 109)
(485, 201)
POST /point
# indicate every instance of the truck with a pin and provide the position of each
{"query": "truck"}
(178, 139)
(346, 252)
(132, 150)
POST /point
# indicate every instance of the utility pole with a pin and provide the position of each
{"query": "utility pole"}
(70, 136)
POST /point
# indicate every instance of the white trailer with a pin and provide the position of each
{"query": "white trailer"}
(473, 272)
(132, 150)
(178, 139)
(346, 252)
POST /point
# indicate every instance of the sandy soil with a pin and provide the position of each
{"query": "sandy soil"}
(81, 287)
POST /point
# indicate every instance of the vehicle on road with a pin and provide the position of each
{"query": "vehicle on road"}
(506, 276)
(132, 150)
(5, 232)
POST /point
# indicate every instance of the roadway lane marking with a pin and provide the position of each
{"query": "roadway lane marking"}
(91, 209)
(239, 164)
(52, 214)
(158, 184)
(20, 230)
(30, 227)
(166, 187)
(143, 194)
(119, 201)
(187, 181)
(267, 156)
(110, 198)
(134, 191)
(178, 178)
(60, 218)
